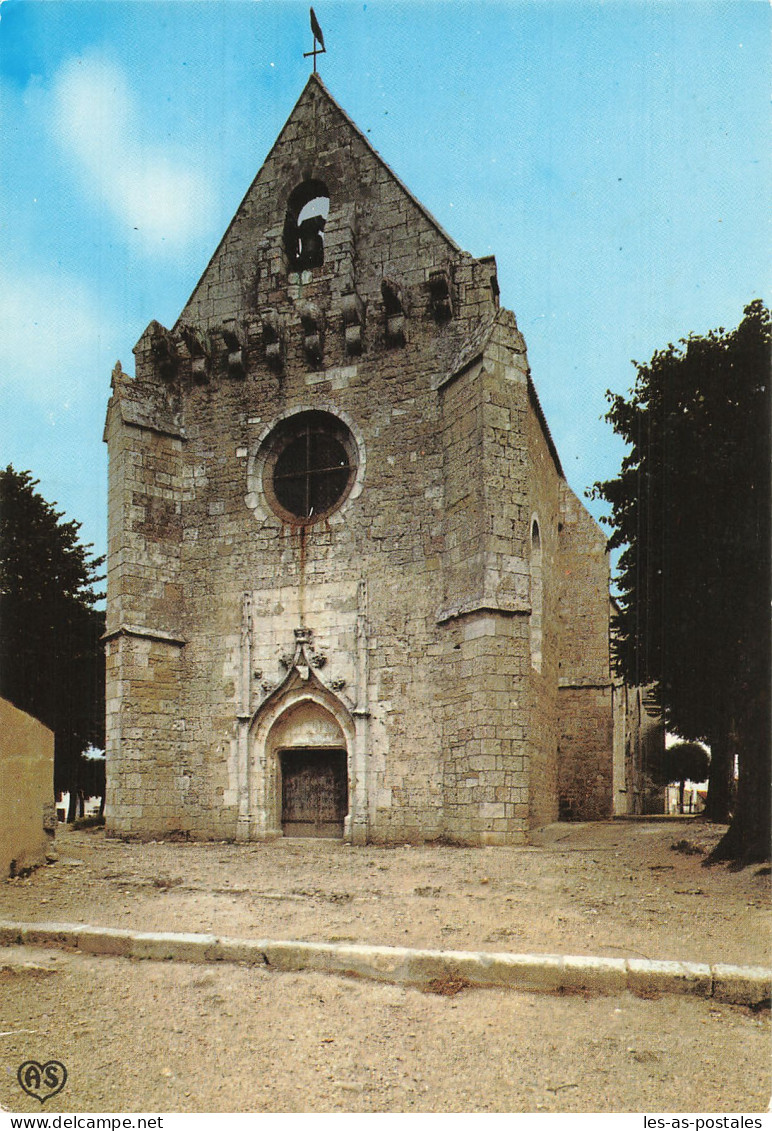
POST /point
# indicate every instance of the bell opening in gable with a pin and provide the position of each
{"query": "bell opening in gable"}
(307, 212)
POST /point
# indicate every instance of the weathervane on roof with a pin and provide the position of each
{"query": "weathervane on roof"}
(318, 38)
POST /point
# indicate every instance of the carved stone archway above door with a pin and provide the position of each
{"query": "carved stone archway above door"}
(305, 718)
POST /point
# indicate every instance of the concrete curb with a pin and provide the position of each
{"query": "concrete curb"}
(535, 973)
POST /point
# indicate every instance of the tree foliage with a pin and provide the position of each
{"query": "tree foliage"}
(685, 761)
(51, 655)
(691, 512)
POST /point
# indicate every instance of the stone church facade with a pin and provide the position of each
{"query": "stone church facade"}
(350, 592)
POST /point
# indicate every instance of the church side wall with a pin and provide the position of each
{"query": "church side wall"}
(585, 687)
(485, 782)
(543, 655)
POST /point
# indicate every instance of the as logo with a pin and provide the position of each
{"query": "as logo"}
(42, 1080)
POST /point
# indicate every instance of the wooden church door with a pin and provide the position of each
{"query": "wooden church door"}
(314, 792)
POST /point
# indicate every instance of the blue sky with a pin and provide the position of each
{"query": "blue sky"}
(615, 157)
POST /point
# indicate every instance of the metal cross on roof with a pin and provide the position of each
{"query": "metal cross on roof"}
(318, 38)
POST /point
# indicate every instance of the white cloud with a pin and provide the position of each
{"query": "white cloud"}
(98, 125)
(53, 335)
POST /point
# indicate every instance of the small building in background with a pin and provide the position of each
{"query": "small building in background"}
(91, 807)
(27, 812)
(694, 800)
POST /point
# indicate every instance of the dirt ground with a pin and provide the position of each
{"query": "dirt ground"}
(612, 888)
(175, 1037)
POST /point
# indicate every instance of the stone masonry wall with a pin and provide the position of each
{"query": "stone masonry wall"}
(145, 770)
(500, 742)
(586, 735)
(484, 729)
(585, 687)
(143, 646)
(485, 779)
(543, 506)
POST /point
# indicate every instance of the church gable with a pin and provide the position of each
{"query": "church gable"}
(328, 259)
(320, 168)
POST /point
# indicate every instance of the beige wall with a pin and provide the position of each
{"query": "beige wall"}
(26, 790)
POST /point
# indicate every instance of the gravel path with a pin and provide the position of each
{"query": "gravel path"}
(613, 888)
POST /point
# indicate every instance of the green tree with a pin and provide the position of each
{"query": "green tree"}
(685, 761)
(51, 655)
(691, 512)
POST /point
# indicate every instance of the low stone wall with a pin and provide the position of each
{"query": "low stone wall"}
(27, 811)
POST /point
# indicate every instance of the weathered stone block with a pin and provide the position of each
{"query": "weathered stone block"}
(648, 977)
(742, 985)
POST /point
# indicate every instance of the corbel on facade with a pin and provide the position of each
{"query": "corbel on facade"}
(441, 294)
(311, 322)
(353, 322)
(394, 306)
(234, 350)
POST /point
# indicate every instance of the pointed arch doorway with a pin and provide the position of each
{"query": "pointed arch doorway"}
(308, 750)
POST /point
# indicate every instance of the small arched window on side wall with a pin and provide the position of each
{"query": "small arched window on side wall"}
(537, 596)
(307, 211)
